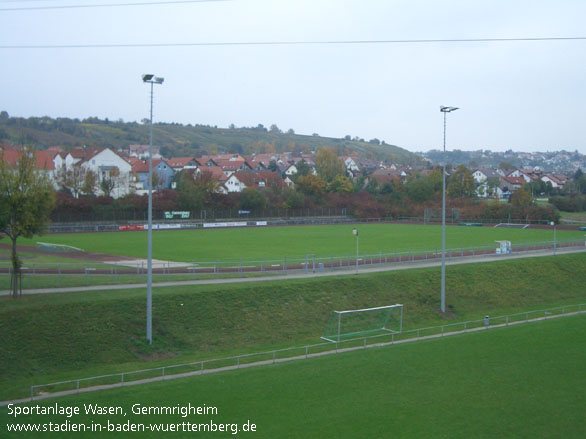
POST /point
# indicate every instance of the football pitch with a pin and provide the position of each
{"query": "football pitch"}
(525, 381)
(297, 241)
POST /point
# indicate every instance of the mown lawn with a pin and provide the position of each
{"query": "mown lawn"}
(523, 382)
(277, 243)
(48, 338)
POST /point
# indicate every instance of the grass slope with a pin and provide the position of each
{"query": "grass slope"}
(186, 140)
(52, 337)
(522, 382)
(295, 242)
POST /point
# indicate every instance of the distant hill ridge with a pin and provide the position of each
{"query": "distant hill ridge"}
(176, 139)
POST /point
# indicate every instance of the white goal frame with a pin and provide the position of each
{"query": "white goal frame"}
(513, 226)
(57, 247)
(378, 308)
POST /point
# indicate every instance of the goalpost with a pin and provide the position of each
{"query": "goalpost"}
(359, 322)
(513, 226)
(57, 247)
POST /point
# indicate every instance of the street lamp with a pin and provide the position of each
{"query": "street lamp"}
(355, 232)
(554, 237)
(152, 80)
(444, 110)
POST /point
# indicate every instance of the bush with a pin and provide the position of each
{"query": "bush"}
(572, 203)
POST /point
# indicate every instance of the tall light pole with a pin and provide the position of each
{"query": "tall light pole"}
(152, 80)
(355, 232)
(554, 238)
(444, 110)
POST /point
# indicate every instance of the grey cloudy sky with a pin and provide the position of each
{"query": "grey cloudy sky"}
(519, 95)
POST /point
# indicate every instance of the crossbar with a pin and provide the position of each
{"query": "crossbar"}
(369, 309)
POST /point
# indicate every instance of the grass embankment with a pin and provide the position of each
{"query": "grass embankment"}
(522, 382)
(277, 243)
(61, 336)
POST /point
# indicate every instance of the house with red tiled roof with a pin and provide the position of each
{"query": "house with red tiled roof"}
(142, 151)
(383, 176)
(180, 163)
(528, 175)
(557, 181)
(43, 161)
(206, 160)
(239, 181)
(107, 165)
(231, 166)
(511, 184)
(230, 157)
(161, 168)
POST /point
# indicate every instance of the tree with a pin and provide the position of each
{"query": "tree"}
(252, 199)
(329, 165)
(420, 188)
(110, 181)
(521, 197)
(195, 190)
(303, 169)
(157, 180)
(26, 201)
(71, 179)
(293, 199)
(461, 183)
(311, 185)
(340, 184)
(273, 166)
(90, 183)
(492, 183)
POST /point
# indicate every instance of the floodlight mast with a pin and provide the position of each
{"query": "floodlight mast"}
(355, 232)
(444, 110)
(150, 79)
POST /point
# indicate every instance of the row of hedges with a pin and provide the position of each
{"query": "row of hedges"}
(572, 203)
(290, 203)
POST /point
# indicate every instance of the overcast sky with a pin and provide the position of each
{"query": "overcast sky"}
(526, 96)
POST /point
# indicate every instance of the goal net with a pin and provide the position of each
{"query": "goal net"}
(359, 322)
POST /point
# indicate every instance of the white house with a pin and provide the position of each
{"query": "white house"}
(557, 181)
(105, 163)
(291, 170)
(351, 165)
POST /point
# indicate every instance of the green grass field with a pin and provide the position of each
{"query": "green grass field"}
(295, 242)
(47, 338)
(523, 382)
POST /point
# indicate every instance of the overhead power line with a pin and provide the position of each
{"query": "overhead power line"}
(107, 5)
(289, 43)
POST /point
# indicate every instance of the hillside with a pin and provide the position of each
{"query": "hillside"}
(554, 161)
(184, 140)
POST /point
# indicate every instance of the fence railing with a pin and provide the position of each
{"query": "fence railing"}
(39, 391)
(58, 275)
(131, 214)
(330, 216)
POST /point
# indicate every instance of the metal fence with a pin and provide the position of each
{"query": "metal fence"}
(41, 391)
(58, 275)
(131, 214)
(97, 225)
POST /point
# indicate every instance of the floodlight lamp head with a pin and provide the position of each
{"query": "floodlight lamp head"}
(158, 80)
(147, 77)
(447, 109)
